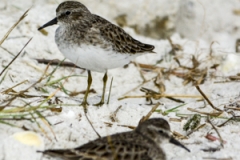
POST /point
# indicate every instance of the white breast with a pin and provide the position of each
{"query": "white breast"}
(95, 58)
(92, 57)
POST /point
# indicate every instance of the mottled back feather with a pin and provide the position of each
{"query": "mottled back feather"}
(121, 41)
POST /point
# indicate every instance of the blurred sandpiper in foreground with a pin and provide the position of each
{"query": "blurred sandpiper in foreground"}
(143, 143)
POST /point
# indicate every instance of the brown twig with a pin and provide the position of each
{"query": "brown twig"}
(206, 98)
(58, 62)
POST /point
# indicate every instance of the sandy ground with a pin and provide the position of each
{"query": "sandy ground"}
(199, 22)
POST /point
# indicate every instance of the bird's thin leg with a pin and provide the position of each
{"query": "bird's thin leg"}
(84, 102)
(105, 77)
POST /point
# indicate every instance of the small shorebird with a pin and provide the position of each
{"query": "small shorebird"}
(92, 42)
(143, 143)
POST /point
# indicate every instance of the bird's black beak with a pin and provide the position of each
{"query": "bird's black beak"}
(52, 22)
(177, 143)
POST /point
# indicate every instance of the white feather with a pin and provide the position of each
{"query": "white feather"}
(93, 58)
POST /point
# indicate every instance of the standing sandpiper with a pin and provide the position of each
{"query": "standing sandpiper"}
(143, 143)
(92, 42)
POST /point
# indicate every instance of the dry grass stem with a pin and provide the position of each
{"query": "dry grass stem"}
(92, 125)
(58, 63)
(178, 135)
(144, 118)
(216, 114)
(161, 96)
(146, 67)
(141, 72)
(47, 124)
(7, 91)
(121, 125)
(233, 108)
(206, 98)
(113, 116)
(196, 129)
(10, 30)
(110, 91)
(15, 57)
(138, 86)
(216, 130)
(230, 119)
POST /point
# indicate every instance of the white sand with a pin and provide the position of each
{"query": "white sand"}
(72, 128)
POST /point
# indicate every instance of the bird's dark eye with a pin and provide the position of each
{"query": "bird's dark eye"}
(160, 131)
(67, 13)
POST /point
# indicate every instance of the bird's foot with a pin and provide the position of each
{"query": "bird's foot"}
(99, 103)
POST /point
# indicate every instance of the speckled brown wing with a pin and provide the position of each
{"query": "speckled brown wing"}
(62, 154)
(101, 150)
(121, 41)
